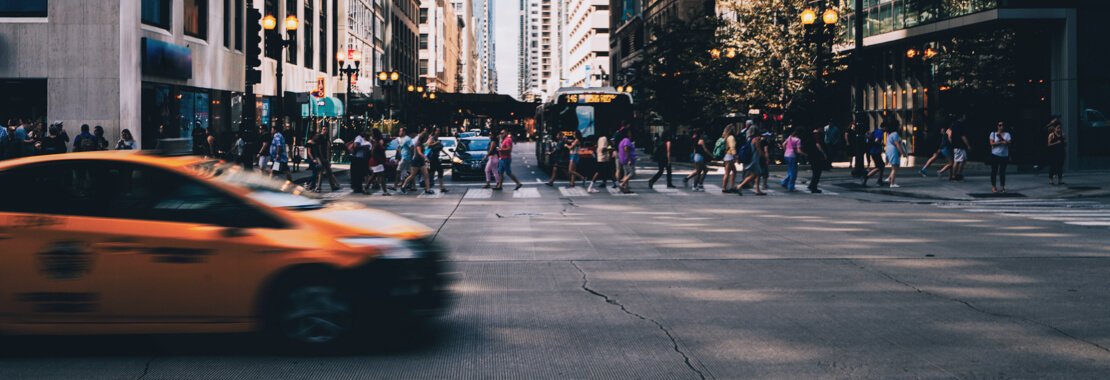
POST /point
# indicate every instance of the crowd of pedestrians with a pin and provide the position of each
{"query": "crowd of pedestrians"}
(24, 138)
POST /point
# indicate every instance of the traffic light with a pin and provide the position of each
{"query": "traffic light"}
(254, 45)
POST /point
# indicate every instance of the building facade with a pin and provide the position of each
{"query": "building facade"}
(1017, 62)
(158, 68)
(586, 43)
(439, 46)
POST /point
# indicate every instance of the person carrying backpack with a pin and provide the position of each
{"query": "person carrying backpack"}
(877, 141)
(84, 142)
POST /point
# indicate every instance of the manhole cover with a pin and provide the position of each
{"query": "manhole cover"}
(1084, 188)
(997, 195)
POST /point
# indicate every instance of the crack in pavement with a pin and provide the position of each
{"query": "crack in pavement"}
(987, 312)
(146, 369)
(674, 342)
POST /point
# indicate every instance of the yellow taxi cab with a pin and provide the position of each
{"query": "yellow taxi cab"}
(129, 242)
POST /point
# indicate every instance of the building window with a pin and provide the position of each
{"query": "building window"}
(423, 41)
(196, 18)
(155, 12)
(270, 9)
(291, 10)
(227, 23)
(323, 43)
(24, 8)
(423, 66)
(239, 31)
(309, 16)
(423, 15)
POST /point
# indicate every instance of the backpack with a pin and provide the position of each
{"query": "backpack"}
(720, 147)
(660, 150)
(744, 154)
(87, 144)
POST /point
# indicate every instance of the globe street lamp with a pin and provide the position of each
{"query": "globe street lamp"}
(275, 39)
(388, 79)
(349, 63)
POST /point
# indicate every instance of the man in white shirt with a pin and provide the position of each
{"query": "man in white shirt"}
(604, 154)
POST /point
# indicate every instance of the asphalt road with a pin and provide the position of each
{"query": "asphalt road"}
(677, 285)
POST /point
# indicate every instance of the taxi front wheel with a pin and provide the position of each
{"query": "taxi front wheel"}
(310, 315)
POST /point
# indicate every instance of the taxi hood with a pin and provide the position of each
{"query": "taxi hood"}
(353, 219)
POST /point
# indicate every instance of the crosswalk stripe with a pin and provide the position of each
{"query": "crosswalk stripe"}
(573, 192)
(527, 192)
(616, 192)
(435, 195)
(669, 191)
(1078, 213)
(713, 189)
(478, 193)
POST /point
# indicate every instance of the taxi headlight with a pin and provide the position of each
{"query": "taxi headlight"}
(390, 248)
(456, 160)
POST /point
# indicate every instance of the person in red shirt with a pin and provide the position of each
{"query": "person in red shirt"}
(504, 166)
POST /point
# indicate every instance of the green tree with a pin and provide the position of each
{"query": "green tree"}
(784, 63)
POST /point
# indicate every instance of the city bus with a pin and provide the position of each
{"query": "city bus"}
(594, 112)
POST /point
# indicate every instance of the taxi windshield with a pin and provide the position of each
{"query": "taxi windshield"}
(270, 192)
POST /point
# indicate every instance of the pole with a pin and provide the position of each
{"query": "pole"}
(347, 102)
(279, 112)
(858, 63)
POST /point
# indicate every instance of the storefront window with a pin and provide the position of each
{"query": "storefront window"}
(22, 8)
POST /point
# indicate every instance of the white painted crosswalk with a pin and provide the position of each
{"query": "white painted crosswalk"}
(526, 192)
(573, 192)
(478, 193)
(1072, 212)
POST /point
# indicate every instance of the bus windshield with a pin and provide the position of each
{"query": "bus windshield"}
(592, 120)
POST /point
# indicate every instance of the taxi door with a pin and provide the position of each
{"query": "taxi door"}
(51, 270)
(175, 247)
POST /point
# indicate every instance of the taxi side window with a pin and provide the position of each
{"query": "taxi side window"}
(58, 188)
(148, 193)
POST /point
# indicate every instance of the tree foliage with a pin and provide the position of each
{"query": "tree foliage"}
(778, 63)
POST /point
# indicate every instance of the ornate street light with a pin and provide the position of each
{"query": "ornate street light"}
(830, 16)
(349, 64)
(809, 17)
(276, 38)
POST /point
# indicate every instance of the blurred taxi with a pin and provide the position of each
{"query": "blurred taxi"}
(128, 242)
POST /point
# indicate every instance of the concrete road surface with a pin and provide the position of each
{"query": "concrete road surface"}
(675, 284)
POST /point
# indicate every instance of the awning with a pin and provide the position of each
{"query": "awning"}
(322, 107)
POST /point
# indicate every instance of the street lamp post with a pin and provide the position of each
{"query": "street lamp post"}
(857, 61)
(349, 64)
(275, 38)
(388, 79)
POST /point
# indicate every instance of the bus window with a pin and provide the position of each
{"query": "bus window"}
(585, 120)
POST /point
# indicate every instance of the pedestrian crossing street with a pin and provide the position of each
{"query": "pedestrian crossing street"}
(531, 192)
(1072, 212)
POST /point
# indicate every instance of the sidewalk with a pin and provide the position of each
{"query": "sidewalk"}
(976, 184)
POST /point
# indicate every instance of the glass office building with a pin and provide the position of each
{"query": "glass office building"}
(1012, 61)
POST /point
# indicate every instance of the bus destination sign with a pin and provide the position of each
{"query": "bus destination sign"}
(590, 98)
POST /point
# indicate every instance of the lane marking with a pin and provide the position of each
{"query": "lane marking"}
(616, 192)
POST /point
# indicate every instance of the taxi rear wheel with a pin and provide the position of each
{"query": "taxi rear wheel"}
(314, 314)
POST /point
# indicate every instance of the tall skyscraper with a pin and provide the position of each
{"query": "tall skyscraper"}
(541, 55)
(586, 43)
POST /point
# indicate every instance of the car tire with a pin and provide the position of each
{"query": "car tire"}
(312, 316)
